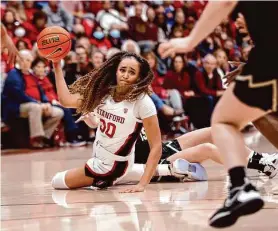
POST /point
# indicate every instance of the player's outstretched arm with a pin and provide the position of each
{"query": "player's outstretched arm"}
(7, 42)
(212, 16)
(65, 97)
(154, 138)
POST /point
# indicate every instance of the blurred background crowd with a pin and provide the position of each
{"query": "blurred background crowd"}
(185, 89)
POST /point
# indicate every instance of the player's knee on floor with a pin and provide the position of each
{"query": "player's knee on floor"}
(58, 181)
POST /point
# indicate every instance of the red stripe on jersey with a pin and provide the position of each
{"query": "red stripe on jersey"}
(125, 149)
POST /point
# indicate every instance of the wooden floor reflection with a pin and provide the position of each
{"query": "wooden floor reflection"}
(29, 203)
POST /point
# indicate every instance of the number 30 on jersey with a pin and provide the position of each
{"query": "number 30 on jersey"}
(108, 129)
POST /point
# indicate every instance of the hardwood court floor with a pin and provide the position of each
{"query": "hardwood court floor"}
(30, 204)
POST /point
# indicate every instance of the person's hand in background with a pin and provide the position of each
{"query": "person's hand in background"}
(189, 93)
(230, 77)
(241, 24)
(7, 42)
(46, 109)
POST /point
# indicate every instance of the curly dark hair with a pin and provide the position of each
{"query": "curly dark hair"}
(98, 84)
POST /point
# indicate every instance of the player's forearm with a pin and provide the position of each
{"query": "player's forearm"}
(3, 31)
(151, 165)
(211, 17)
(65, 97)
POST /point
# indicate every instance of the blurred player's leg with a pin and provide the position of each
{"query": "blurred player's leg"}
(268, 126)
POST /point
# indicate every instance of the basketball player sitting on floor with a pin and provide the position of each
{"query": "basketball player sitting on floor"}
(118, 91)
(180, 156)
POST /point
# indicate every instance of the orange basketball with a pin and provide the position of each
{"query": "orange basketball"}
(54, 43)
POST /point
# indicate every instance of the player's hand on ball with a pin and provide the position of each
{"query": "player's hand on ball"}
(134, 189)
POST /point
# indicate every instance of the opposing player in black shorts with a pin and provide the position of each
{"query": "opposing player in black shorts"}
(253, 95)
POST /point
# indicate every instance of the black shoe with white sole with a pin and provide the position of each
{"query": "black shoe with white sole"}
(243, 200)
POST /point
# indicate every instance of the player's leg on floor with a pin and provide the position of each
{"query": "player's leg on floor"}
(243, 198)
(197, 146)
(71, 179)
(263, 162)
(194, 138)
(198, 154)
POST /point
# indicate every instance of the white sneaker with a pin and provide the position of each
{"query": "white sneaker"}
(185, 170)
(271, 164)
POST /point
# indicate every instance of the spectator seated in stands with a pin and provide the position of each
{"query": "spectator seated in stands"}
(209, 86)
(29, 9)
(9, 21)
(36, 26)
(137, 27)
(58, 16)
(222, 66)
(97, 59)
(71, 128)
(23, 97)
(100, 41)
(161, 95)
(110, 18)
(131, 46)
(180, 21)
(208, 80)
(178, 80)
(80, 68)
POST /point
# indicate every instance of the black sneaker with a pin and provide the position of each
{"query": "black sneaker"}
(243, 200)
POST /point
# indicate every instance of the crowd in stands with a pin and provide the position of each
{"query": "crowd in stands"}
(185, 88)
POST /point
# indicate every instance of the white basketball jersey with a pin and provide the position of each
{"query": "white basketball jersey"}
(121, 122)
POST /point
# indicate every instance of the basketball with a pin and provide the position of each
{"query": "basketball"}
(54, 43)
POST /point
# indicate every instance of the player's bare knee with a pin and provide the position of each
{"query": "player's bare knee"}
(217, 121)
(208, 147)
(59, 181)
